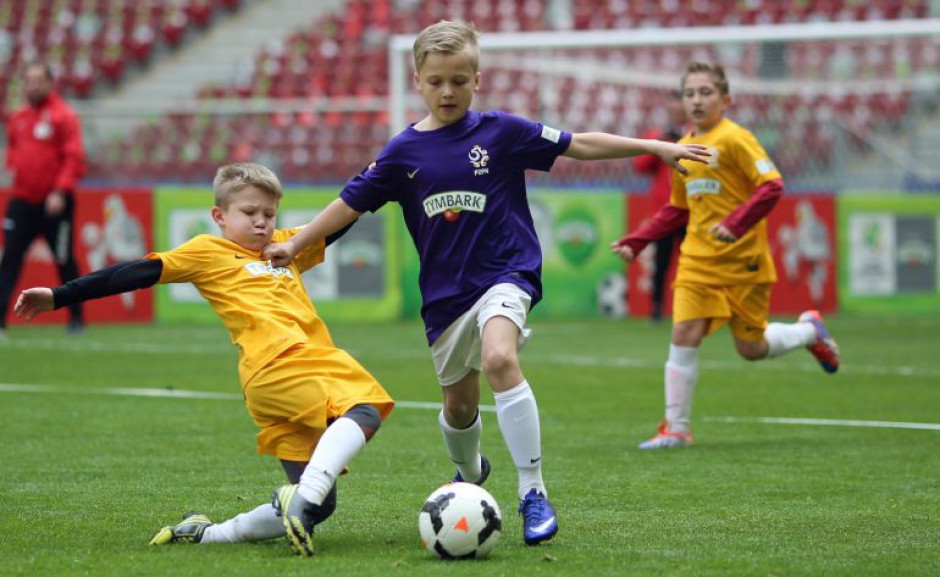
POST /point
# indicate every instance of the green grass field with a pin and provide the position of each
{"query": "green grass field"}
(88, 473)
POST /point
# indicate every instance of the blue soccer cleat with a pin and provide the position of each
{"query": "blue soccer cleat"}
(484, 473)
(538, 518)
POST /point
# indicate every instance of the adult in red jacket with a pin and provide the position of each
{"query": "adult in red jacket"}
(46, 156)
(660, 187)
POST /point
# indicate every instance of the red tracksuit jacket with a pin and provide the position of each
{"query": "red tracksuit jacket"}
(45, 150)
(661, 173)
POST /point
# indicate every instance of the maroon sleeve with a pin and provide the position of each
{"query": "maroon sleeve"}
(73, 165)
(667, 220)
(743, 218)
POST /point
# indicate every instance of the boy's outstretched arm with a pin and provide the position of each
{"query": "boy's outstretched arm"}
(33, 301)
(666, 221)
(333, 218)
(112, 280)
(603, 146)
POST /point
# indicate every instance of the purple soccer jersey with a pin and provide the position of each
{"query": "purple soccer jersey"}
(463, 196)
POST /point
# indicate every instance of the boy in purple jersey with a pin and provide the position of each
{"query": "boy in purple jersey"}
(459, 176)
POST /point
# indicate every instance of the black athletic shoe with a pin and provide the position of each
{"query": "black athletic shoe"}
(484, 473)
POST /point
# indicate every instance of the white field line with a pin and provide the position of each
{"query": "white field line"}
(183, 394)
(826, 422)
(85, 345)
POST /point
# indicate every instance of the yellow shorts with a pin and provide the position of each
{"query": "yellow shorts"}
(745, 307)
(297, 394)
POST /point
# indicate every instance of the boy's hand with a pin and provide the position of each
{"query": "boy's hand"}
(672, 153)
(622, 250)
(279, 253)
(721, 233)
(33, 301)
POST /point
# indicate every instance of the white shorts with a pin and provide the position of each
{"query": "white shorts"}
(458, 350)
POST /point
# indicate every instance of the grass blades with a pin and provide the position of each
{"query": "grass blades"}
(88, 472)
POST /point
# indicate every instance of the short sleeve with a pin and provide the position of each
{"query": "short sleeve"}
(375, 186)
(186, 262)
(534, 145)
(752, 159)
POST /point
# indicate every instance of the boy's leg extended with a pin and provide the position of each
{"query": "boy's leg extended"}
(757, 339)
(810, 332)
(259, 524)
(292, 401)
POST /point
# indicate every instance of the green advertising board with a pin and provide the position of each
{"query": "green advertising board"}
(888, 253)
(358, 279)
(575, 229)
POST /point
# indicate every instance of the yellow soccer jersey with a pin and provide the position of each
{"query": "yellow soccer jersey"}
(266, 309)
(710, 192)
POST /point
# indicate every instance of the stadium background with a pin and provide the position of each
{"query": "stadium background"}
(169, 90)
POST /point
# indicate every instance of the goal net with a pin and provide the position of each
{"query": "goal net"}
(836, 104)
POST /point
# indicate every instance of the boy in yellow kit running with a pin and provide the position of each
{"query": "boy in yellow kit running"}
(315, 405)
(725, 265)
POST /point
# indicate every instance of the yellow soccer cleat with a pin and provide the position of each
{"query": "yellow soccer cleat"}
(189, 530)
(299, 517)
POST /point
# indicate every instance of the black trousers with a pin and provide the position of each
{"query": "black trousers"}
(23, 223)
(661, 262)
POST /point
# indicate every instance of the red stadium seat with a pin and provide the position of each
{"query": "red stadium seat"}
(333, 55)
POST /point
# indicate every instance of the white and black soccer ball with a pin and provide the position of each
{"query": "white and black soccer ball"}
(460, 521)
(612, 296)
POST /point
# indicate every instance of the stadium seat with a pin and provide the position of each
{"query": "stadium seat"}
(331, 56)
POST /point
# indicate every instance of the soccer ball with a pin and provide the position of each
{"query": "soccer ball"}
(612, 296)
(460, 521)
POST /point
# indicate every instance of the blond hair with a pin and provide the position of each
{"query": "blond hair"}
(234, 177)
(715, 70)
(447, 37)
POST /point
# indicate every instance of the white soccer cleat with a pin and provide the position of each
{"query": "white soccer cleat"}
(666, 439)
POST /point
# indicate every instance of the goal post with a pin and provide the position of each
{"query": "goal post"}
(837, 104)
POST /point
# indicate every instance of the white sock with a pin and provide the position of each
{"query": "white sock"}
(255, 525)
(518, 416)
(340, 443)
(782, 338)
(463, 445)
(681, 376)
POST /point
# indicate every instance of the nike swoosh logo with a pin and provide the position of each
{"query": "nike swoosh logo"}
(543, 526)
(507, 305)
(411, 175)
(240, 256)
(536, 460)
